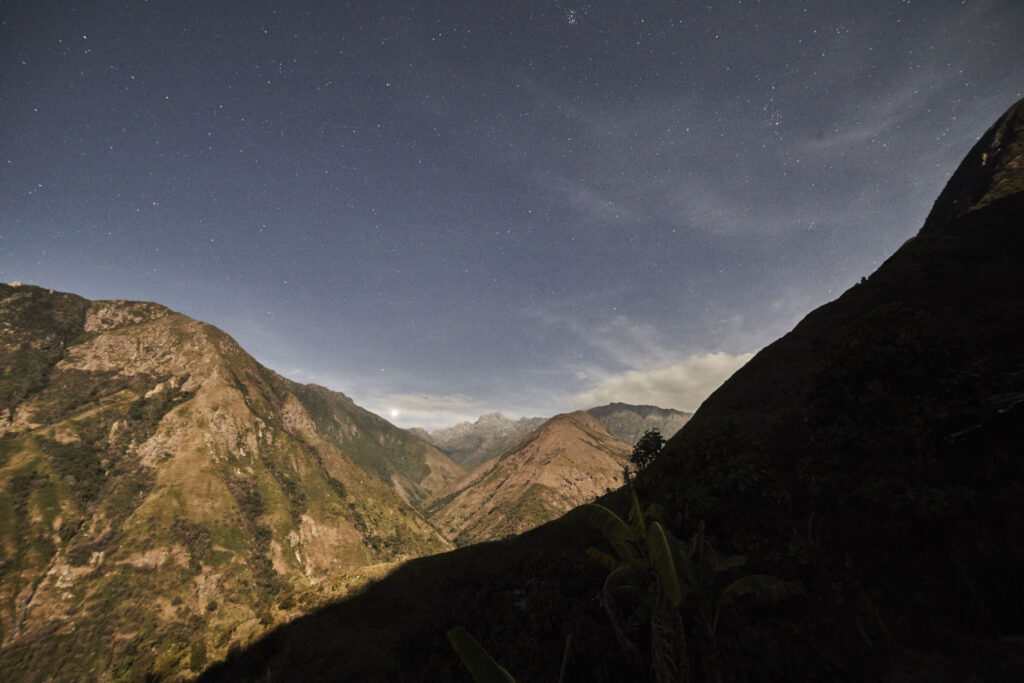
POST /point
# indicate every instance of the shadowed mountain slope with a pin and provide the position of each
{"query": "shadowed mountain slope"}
(519, 597)
(874, 453)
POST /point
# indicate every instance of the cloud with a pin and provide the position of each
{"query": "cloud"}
(683, 385)
(430, 411)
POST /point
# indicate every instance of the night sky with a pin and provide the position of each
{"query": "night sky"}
(449, 208)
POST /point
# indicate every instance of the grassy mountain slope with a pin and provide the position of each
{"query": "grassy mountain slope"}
(416, 469)
(163, 497)
(874, 453)
(567, 461)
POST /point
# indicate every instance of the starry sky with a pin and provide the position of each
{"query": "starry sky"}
(449, 208)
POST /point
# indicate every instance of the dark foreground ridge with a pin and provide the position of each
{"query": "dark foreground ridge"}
(873, 454)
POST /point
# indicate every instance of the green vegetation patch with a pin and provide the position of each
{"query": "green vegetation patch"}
(70, 391)
(290, 484)
(79, 464)
(196, 539)
(128, 494)
(20, 488)
(9, 445)
(384, 531)
(337, 487)
(250, 502)
(146, 412)
(45, 325)
(231, 536)
(219, 558)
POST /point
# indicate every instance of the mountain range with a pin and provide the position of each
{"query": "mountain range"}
(870, 460)
(472, 443)
(165, 498)
(566, 461)
(530, 471)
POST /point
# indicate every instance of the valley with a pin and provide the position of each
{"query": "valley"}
(161, 485)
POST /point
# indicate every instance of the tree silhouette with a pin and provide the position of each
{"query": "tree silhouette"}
(647, 448)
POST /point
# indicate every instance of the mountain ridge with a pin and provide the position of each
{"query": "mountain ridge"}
(473, 443)
(188, 476)
(887, 416)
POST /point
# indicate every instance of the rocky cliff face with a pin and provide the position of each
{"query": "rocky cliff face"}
(567, 461)
(164, 496)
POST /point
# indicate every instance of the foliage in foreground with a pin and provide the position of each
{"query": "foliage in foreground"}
(481, 665)
(668, 594)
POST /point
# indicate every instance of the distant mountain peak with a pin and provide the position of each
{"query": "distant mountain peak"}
(471, 443)
(619, 405)
(629, 422)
